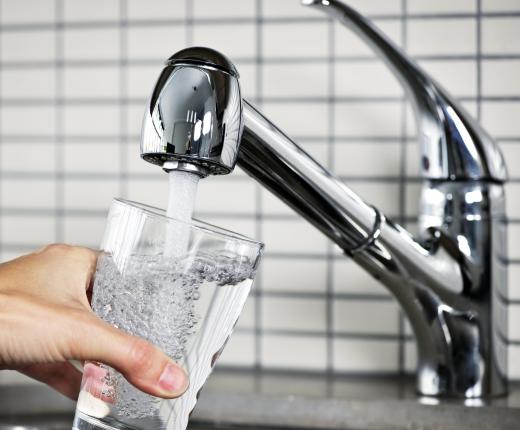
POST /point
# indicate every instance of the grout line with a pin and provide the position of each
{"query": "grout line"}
(401, 358)
(59, 121)
(331, 76)
(115, 101)
(258, 190)
(301, 139)
(478, 56)
(123, 98)
(86, 63)
(153, 22)
(1, 154)
(189, 22)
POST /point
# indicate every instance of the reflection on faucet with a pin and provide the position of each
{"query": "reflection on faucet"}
(449, 281)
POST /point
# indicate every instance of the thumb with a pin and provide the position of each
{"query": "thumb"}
(142, 364)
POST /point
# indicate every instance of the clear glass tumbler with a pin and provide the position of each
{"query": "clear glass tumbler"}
(184, 296)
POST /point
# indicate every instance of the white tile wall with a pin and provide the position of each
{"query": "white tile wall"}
(70, 93)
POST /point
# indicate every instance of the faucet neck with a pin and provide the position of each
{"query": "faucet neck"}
(454, 146)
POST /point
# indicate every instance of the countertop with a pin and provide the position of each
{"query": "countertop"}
(302, 400)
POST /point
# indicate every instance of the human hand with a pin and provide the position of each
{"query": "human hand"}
(46, 320)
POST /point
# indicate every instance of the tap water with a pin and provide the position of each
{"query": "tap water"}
(185, 303)
(181, 202)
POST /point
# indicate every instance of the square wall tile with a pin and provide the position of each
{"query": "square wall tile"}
(11, 254)
(134, 119)
(304, 40)
(33, 231)
(382, 194)
(27, 46)
(28, 193)
(357, 355)
(248, 78)
(224, 9)
(353, 316)
(413, 159)
(292, 236)
(84, 231)
(294, 352)
(28, 83)
(412, 199)
(368, 119)
(441, 6)
(441, 36)
(500, 6)
(410, 356)
(27, 11)
(223, 38)
(37, 157)
(350, 278)
(226, 194)
(93, 10)
(92, 82)
(297, 314)
(91, 44)
(377, 7)
(364, 79)
(500, 77)
(513, 331)
(137, 166)
(367, 159)
(141, 80)
(294, 275)
(299, 119)
(459, 78)
(156, 9)
(513, 245)
(286, 9)
(348, 44)
(84, 157)
(247, 320)
(79, 193)
(246, 227)
(239, 351)
(91, 120)
(153, 192)
(157, 42)
(500, 35)
(295, 80)
(512, 203)
(513, 360)
(272, 205)
(27, 120)
(513, 278)
(497, 118)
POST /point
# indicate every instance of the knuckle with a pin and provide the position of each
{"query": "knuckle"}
(142, 355)
(56, 248)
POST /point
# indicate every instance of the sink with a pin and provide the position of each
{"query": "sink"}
(36, 422)
(248, 400)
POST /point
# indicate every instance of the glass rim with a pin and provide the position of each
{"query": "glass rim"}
(194, 223)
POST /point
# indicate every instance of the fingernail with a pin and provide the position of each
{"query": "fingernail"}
(173, 379)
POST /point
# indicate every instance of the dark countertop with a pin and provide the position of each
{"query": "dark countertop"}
(302, 400)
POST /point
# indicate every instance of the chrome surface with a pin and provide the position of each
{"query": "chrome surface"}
(450, 280)
(194, 114)
(453, 145)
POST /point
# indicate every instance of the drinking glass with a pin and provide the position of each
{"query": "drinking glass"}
(181, 286)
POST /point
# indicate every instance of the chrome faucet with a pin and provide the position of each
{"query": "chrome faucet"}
(450, 280)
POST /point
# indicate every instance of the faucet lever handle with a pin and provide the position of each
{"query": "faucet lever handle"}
(469, 270)
(453, 145)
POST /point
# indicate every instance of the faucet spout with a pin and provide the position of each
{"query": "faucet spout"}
(450, 282)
